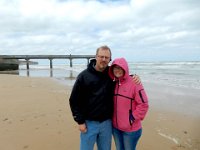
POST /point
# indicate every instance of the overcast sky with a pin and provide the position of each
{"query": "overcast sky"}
(139, 30)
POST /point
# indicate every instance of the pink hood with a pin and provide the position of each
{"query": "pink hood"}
(123, 64)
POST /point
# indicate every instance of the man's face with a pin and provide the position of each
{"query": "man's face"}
(102, 59)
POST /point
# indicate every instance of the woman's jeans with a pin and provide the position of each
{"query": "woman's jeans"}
(99, 132)
(126, 140)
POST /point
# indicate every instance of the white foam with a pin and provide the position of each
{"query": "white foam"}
(169, 137)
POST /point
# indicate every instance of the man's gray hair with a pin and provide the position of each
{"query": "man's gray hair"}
(104, 47)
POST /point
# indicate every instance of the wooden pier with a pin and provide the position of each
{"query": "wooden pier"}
(50, 57)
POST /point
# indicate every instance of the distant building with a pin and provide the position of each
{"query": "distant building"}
(9, 64)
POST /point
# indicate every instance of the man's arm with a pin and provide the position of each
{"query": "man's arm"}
(136, 79)
(74, 102)
(83, 127)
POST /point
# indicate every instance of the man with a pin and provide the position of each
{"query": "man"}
(91, 102)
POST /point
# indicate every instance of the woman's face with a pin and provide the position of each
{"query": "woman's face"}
(118, 71)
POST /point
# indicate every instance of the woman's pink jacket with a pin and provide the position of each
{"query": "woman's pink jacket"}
(130, 100)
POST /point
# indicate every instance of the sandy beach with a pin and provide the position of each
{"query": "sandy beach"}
(35, 115)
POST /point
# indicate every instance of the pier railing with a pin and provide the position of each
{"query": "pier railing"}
(50, 57)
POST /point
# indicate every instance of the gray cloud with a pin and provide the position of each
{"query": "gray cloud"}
(140, 30)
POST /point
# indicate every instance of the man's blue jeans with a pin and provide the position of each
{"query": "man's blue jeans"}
(126, 140)
(99, 132)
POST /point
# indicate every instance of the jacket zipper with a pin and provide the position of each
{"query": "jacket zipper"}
(117, 102)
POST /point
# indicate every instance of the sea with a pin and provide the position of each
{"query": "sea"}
(170, 86)
(178, 74)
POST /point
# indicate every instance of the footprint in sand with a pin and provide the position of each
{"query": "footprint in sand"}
(185, 132)
(26, 146)
(5, 119)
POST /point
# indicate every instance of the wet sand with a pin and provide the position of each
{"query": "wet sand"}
(35, 115)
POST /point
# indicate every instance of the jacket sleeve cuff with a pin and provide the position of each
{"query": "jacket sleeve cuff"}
(81, 121)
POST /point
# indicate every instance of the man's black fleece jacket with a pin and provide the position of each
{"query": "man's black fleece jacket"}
(92, 95)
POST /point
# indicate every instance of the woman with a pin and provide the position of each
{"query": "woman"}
(130, 106)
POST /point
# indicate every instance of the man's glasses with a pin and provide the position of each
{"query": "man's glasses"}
(102, 57)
